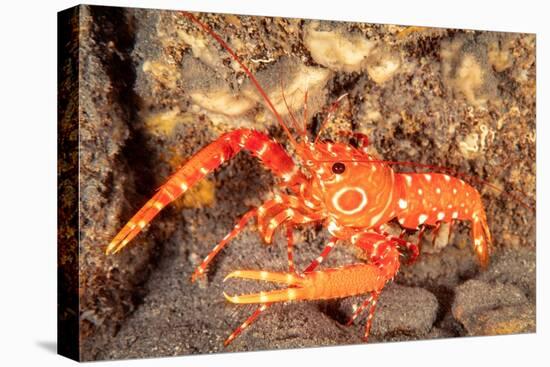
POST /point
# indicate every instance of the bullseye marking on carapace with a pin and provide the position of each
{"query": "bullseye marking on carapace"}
(345, 190)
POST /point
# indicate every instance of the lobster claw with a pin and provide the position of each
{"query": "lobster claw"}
(298, 290)
(340, 282)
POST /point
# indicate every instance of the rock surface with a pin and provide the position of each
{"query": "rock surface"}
(155, 89)
(492, 309)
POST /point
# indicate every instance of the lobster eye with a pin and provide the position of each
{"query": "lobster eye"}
(338, 168)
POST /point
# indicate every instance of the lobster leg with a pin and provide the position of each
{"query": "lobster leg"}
(382, 253)
(329, 246)
(360, 309)
(292, 216)
(259, 212)
(271, 214)
(451, 223)
(205, 161)
(412, 249)
(370, 301)
(319, 259)
(435, 232)
(236, 230)
(290, 248)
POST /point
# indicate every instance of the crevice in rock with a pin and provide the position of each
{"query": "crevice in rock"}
(115, 39)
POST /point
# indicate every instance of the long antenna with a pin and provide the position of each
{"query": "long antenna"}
(262, 92)
(330, 112)
(300, 130)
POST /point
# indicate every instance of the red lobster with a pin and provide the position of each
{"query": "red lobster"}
(340, 186)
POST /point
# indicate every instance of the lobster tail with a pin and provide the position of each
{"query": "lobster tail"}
(481, 236)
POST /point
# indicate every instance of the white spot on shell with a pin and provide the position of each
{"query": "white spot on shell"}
(422, 218)
(288, 175)
(440, 215)
(333, 227)
(402, 203)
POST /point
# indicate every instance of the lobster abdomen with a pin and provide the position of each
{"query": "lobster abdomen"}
(430, 198)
